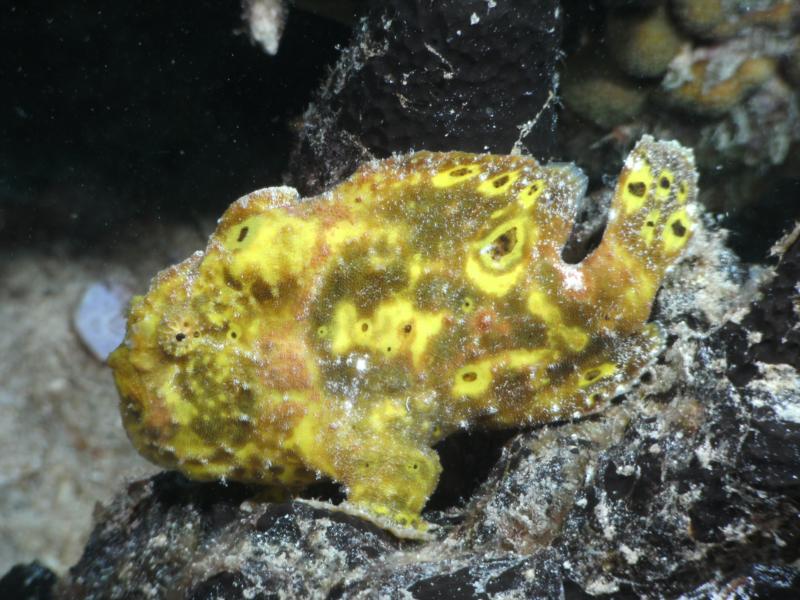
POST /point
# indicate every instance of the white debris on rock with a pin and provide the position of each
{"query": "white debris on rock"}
(99, 319)
(266, 20)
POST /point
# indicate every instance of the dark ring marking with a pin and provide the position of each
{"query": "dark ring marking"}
(637, 188)
(500, 181)
(504, 243)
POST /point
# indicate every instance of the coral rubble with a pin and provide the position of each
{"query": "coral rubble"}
(715, 74)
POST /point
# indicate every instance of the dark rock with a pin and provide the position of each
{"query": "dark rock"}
(754, 583)
(770, 455)
(28, 582)
(168, 535)
(450, 75)
(473, 578)
(776, 317)
(226, 585)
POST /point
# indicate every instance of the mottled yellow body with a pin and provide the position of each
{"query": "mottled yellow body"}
(346, 334)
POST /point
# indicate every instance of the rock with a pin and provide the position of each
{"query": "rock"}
(453, 75)
(598, 92)
(643, 43)
(756, 581)
(688, 485)
(169, 535)
(28, 582)
(720, 77)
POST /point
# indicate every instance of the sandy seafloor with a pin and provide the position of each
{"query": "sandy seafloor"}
(62, 445)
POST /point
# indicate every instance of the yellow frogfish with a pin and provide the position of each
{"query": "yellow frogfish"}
(342, 336)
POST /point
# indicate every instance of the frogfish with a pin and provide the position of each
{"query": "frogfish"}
(342, 336)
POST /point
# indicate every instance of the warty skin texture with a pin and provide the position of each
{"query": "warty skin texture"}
(344, 335)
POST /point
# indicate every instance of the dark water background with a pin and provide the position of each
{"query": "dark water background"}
(113, 113)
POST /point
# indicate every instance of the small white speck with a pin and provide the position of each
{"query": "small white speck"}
(361, 365)
(474, 19)
(626, 470)
(555, 408)
(572, 277)
(631, 556)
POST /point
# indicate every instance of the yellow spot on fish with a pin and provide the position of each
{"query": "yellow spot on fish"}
(415, 269)
(519, 359)
(495, 262)
(648, 231)
(683, 192)
(540, 305)
(530, 194)
(468, 305)
(494, 284)
(504, 246)
(395, 328)
(676, 231)
(426, 328)
(455, 175)
(664, 183)
(473, 380)
(595, 374)
(575, 338)
(234, 332)
(275, 248)
(499, 184)
(344, 327)
(636, 187)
